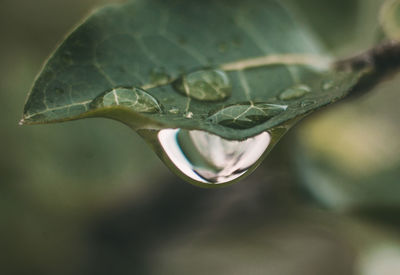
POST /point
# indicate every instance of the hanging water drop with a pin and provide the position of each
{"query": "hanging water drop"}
(136, 99)
(246, 115)
(209, 159)
(295, 92)
(205, 85)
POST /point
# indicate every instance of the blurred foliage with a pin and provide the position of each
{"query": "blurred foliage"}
(350, 155)
(390, 19)
(88, 197)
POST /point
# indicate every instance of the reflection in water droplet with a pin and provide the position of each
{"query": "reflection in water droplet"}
(135, 98)
(210, 159)
(248, 115)
(328, 84)
(207, 85)
(295, 92)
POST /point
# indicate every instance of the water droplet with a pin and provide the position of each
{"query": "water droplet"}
(247, 115)
(159, 77)
(328, 84)
(206, 85)
(189, 115)
(307, 103)
(174, 111)
(134, 98)
(295, 92)
(209, 159)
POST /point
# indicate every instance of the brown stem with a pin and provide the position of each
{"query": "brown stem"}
(381, 62)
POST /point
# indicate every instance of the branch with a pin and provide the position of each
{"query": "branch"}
(380, 62)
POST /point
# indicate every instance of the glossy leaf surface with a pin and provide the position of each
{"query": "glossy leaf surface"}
(190, 60)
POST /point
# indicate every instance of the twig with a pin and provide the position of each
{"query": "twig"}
(380, 63)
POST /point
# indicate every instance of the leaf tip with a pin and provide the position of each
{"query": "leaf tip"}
(25, 121)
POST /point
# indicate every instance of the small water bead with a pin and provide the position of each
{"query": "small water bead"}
(328, 84)
(210, 159)
(135, 99)
(295, 92)
(189, 115)
(307, 103)
(174, 111)
(247, 115)
(205, 85)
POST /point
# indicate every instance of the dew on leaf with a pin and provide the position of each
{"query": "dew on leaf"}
(136, 99)
(246, 115)
(328, 84)
(209, 159)
(295, 92)
(307, 103)
(174, 111)
(205, 85)
(189, 115)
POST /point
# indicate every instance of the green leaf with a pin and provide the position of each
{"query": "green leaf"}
(390, 19)
(155, 45)
(231, 69)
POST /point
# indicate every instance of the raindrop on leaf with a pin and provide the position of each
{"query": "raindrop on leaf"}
(246, 115)
(205, 85)
(295, 92)
(136, 99)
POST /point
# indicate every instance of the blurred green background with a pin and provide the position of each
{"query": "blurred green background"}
(89, 197)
